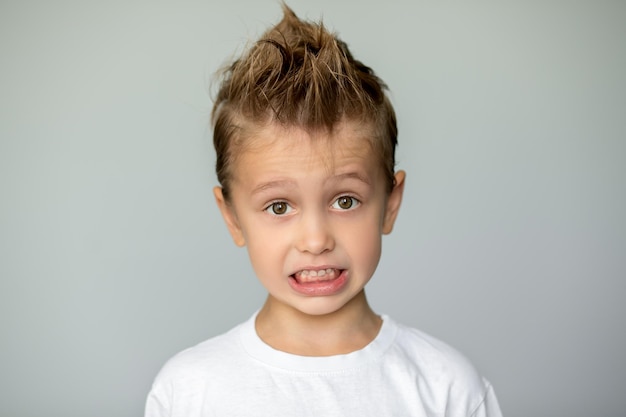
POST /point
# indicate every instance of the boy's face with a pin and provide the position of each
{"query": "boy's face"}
(311, 211)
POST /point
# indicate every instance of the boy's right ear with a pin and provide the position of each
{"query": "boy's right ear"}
(229, 217)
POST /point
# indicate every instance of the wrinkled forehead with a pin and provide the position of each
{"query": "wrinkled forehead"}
(347, 138)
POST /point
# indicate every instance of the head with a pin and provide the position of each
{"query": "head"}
(305, 141)
(300, 75)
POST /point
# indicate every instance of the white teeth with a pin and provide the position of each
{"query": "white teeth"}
(310, 275)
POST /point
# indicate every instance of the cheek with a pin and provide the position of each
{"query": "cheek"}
(266, 251)
(368, 244)
(365, 242)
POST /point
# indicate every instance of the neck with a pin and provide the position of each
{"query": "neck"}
(350, 328)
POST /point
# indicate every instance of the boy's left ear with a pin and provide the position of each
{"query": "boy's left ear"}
(393, 202)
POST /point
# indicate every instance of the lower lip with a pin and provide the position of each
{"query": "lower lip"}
(320, 288)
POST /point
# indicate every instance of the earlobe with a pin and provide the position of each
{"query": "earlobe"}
(229, 217)
(393, 202)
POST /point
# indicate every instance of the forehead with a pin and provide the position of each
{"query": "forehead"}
(280, 148)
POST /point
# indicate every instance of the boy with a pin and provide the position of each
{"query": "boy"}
(305, 139)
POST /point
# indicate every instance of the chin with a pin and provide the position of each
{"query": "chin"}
(319, 306)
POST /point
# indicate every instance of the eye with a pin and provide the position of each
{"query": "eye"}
(345, 202)
(278, 208)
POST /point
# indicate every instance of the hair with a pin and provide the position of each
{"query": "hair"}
(298, 74)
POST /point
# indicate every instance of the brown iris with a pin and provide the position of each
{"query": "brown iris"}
(345, 202)
(280, 207)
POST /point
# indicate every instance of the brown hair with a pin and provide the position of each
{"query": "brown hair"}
(299, 74)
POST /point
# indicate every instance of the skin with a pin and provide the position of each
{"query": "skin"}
(307, 202)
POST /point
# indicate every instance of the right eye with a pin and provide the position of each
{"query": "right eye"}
(278, 208)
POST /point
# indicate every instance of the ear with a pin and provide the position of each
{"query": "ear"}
(393, 202)
(229, 217)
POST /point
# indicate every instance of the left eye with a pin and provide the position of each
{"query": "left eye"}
(278, 208)
(345, 203)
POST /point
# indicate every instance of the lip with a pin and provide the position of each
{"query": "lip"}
(320, 288)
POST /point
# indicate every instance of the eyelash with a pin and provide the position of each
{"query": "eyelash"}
(272, 207)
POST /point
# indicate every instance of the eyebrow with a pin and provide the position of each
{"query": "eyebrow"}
(273, 184)
(352, 175)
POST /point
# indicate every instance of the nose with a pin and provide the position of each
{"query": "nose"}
(314, 234)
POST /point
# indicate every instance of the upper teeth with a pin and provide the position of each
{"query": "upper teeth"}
(310, 275)
(320, 273)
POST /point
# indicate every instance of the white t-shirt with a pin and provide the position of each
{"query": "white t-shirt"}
(402, 372)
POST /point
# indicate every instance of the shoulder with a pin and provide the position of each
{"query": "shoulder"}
(194, 362)
(196, 376)
(184, 378)
(442, 371)
(432, 354)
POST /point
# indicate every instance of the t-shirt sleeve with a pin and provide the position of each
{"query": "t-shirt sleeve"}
(489, 406)
(155, 406)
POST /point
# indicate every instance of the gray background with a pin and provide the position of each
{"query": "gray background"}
(510, 244)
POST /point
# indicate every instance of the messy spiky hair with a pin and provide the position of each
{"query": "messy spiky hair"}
(298, 74)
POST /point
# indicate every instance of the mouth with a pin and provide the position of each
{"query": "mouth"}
(319, 281)
(316, 275)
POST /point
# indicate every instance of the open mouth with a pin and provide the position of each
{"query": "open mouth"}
(316, 275)
(319, 282)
